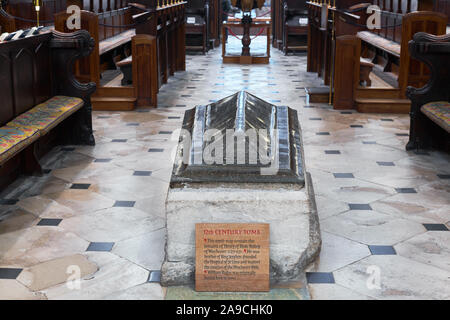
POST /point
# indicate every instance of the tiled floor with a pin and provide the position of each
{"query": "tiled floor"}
(98, 212)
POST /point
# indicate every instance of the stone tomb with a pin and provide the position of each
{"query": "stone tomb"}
(240, 160)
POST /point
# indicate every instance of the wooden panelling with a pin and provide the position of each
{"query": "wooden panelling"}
(346, 72)
(7, 109)
(144, 69)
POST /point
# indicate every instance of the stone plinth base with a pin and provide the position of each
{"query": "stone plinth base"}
(289, 209)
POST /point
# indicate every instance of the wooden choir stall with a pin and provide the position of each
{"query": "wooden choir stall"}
(42, 104)
(430, 116)
(368, 68)
(140, 37)
(289, 25)
(202, 24)
(148, 35)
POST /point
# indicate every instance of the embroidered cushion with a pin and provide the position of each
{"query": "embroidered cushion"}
(439, 113)
(14, 139)
(47, 115)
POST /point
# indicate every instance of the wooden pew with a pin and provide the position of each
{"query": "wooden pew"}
(348, 16)
(333, 60)
(197, 30)
(112, 41)
(430, 104)
(168, 27)
(166, 42)
(42, 104)
(26, 10)
(392, 63)
(121, 42)
(294, 29)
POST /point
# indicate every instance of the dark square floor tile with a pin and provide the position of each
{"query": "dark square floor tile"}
(369, 142)
(346, 112)
(155, 150)
(386, 163)
(359, 206)
(49, 222)
(142, 173)
(186, 95)
(119, 140)
(100, 246)
(435, 227)
(405, 190)
(180, 105)
(308, 106)
(315, 118)
(103, 117)
(356, 126)
(386, 119)
(127, 204)
(191, 87)
(154, 276)
(8, 202)
(382, 250)
(9, 273)
(143, 110)
(165, 132)
(319, 277)
(103, 160)
(402, 134)
(443, 176)
(322, 133)
(133, 124)
(343, 175)
(332, 152)
(67, 148)
(82, 186)
(173, 117)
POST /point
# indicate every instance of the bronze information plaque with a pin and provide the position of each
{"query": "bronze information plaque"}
(232, 257)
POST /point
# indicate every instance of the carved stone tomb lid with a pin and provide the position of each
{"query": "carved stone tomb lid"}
(239, 139)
